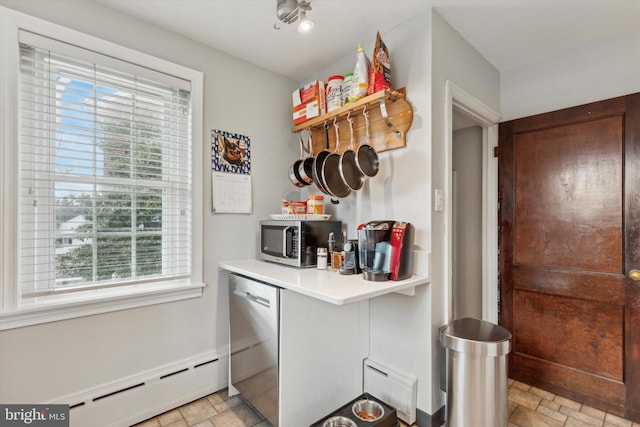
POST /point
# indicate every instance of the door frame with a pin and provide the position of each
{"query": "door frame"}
(487, 119)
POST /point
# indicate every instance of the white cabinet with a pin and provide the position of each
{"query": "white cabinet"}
(322, 347)
(317, 359)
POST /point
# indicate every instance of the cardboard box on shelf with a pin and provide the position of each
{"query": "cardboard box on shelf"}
(309, 101)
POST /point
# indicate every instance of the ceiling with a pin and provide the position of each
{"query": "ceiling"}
(508, 33)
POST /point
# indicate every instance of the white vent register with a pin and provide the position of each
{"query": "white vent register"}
(392, 387)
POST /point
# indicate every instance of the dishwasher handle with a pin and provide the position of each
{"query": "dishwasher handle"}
(251, 297)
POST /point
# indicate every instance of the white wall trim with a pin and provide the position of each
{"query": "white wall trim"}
(8, 167)
(87, 395)
(488, 119)
(137, 397)
(490, 280)
(114, 299)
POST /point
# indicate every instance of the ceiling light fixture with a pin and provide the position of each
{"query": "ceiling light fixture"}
(290, 11)
(305, 25)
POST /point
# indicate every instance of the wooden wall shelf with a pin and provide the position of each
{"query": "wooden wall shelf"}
(386, 131)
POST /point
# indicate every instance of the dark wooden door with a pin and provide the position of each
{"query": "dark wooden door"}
(569, 185)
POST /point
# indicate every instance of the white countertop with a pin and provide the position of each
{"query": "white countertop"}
(326, 285)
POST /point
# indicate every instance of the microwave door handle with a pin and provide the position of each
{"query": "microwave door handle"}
(286, 231)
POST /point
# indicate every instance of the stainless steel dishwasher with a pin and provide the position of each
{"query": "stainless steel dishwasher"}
(253, 334)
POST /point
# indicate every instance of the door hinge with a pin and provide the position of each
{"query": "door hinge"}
(496, 152)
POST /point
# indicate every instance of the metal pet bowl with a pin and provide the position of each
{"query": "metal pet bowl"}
(368, 410)
(339, 422)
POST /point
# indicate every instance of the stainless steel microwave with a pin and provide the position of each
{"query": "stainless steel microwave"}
(295, 242)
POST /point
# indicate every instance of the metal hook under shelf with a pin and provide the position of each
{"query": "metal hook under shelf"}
(365, 114)
(385, 116)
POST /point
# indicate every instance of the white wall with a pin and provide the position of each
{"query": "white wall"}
(44, 362)
(467, 242)
(456, 60)
(400, 191)
(400, 324)
(425, 52)
(591, 72)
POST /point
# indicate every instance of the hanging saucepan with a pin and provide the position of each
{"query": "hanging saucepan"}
(294, 176)
(319, 160)
(351, 175)
(366, 157)
(305, 168)
(331, 170)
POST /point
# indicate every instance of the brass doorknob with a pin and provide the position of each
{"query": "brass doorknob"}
(634, 275)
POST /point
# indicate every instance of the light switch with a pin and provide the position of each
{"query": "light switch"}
(439, 200)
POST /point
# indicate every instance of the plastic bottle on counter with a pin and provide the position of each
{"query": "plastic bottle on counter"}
(315, 205)
(331, 243)
(322, 259)
(337, 260)
(334, 93)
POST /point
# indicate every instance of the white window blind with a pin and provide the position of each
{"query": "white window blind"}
(105, 171)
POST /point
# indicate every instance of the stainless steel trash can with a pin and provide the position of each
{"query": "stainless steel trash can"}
(476, 380)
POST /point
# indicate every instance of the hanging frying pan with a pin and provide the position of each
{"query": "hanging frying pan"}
(294, 176)
(319, 160)
(366, 157)
(331, 170)
(351, 175)
(305, 168)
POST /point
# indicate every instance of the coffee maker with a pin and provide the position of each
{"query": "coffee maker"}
(386, 250)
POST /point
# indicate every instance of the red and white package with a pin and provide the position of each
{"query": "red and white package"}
(380, 71)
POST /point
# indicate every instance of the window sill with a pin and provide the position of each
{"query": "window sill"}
(96, 302)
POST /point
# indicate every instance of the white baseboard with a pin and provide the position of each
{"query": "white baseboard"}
(136, 398)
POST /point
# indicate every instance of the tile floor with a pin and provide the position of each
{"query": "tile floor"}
(528, 407)
(532, 407)
(215, 410)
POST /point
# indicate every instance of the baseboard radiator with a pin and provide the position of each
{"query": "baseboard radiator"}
(395, 388)
(145, 395)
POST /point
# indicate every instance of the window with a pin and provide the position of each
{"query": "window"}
(105, 177)
(104, 194)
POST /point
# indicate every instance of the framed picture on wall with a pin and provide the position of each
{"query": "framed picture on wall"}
(230, 152)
